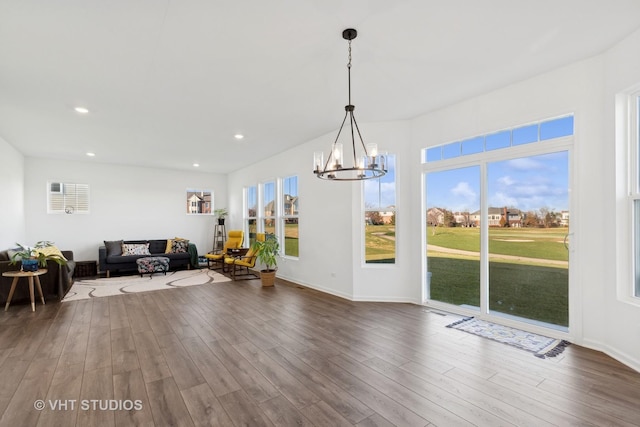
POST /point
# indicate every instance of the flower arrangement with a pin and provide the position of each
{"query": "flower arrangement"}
(41, 252)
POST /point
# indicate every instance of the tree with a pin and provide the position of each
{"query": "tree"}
(531, 219)
(375, 218)
(449, 219)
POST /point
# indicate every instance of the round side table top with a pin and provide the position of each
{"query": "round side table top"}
(38, 272)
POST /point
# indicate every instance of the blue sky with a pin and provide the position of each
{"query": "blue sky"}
(381, 193)
(528, 183)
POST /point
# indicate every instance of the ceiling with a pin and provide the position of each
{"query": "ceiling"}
(169, 83)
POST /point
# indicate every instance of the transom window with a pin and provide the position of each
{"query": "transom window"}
(527, 134)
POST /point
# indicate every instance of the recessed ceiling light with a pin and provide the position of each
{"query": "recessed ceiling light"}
(90, 154)
(195, 165)
(81, 110)
(238, 136)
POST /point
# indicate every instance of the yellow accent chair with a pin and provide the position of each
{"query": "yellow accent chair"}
(236, 237)
(244, 263)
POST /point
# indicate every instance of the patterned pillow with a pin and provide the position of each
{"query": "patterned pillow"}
(135, 249)
(179, 246)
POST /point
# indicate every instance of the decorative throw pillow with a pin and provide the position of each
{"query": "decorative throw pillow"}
(179, 246)
(114, 247)
(135, 249)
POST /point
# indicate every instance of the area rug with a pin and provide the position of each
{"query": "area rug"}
(539, 345)
(83, 289)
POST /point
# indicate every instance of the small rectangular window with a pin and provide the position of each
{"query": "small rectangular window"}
(67, 198)
(556, 128)
(498, 140)
(434, 154)
(452, 150)
(525, 134)
(473, 146)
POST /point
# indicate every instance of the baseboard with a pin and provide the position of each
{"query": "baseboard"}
(349, 297)
(630, 361)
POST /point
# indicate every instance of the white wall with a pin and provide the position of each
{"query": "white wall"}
(622, 312)
(325, 245)
(12, 222)
(125, 203)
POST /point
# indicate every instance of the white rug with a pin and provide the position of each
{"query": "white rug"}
(83, 289)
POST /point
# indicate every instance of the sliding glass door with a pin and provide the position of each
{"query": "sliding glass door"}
(528, 252)
(453, 236)
(497, 237)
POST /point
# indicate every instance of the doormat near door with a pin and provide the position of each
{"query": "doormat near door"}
(539, 345)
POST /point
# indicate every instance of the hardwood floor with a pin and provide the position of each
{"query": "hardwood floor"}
(234, 354)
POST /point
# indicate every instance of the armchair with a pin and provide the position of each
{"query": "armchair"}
(236, 237)
(244, 262)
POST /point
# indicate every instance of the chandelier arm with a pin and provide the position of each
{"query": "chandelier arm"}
(353, 141)
(360, 136)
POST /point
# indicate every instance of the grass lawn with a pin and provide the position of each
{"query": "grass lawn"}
(529, 291)
(380, 243)
(546, 243)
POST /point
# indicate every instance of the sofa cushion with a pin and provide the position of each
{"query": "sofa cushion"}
(135, 249)
(114, 247)
(157, 246)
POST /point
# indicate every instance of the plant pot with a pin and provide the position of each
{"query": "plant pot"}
(220, 221)
(268, 277)
(29, 265)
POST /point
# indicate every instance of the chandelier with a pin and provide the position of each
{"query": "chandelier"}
(367, 163)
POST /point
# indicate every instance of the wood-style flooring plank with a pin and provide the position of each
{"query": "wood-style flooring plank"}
(129, 387)
(233, 353)
(167, 405)
(204, 407)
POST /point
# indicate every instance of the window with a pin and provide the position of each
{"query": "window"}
(63, 197)
(380, 216)
(635, 187)
(251, 213)
(269, 207)
(289, 218)
(542, 131)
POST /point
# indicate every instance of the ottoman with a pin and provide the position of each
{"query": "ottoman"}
(154, 264)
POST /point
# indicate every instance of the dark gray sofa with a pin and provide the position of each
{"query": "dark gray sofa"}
(112, 261)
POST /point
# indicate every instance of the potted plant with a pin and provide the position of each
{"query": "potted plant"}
(267, 253)
(33, 257)
(221, 214)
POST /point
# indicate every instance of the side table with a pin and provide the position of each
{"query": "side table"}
(29, 275)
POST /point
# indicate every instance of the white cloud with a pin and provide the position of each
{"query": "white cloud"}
(463, 189)
(506, 180)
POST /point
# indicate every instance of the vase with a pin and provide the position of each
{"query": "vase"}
(29, 265)
(268, 277)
